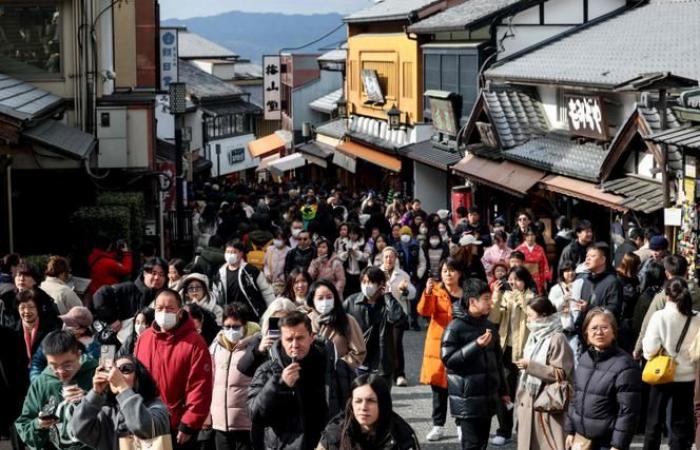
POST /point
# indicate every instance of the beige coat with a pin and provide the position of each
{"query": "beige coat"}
(532, 425)
(350, 349)
(509, 307)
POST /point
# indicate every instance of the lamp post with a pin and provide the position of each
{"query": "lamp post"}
(178, 106)
(342, 106)
(394, 117)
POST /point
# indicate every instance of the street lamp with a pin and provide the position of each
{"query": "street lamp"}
(342, 106)
(394, 117)
(178, 98)
(178, 107)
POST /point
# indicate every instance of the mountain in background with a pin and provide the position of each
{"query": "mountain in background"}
(252, 35)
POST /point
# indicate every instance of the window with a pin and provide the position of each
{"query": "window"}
(227, 125)
(452, 72)
(30, 38)
(386, 73)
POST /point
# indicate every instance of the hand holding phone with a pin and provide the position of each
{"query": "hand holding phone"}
(107, 355)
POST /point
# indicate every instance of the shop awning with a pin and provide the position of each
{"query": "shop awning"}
(509, 177)
(584, 191)
(316, 153)
(287, 163)
(375, 157)
(265, 162)
(67, 141)
(426, 153)
(344, 161)
(686, 137)
(266, 145)
(640, 194)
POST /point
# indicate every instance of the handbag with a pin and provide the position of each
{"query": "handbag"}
(661, 369)
(554, 398)
(163, 442)
(581, 443)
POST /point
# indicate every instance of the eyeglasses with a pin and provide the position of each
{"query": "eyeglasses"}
(65, 367)
(127, 369)
(602, 329)
(195, 289)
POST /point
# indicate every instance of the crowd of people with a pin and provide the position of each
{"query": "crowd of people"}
(286, 331)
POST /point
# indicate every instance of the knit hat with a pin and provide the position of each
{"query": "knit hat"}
(658, 243)
(406, 230)
(77, 317)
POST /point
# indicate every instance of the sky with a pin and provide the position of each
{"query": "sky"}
(184, 9)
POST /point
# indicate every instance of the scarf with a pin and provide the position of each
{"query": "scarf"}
(537, 348)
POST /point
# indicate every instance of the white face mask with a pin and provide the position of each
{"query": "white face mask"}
(232, 258)
(140, 328)
(324, 305)
(369, 289)
(405, 238)
(296, 232)
(442, 230)
(434, 242)
(166, 320)
(278, 243)
(234, 334)
(423, 230)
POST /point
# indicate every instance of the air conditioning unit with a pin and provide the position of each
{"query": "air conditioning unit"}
(112, 134)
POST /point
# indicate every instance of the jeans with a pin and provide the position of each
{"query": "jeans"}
(232, 440)
(681, 395)
(505, 416)
(475, 433)
(439, 406)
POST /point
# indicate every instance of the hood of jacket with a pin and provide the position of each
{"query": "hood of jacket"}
(195, 276)
(597, 277)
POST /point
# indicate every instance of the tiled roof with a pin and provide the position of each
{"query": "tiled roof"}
(193, 46)
(204, 85)
(560, 154)
(65, 140)
(686, 137)
(338, 55)
(246, 71)
(25, 101)
(335, 128)
(640, 194)
(385, 10)
(662, 36)
(327, 103)
(653, 119)
(425, 152)
(462, 16)
(516, 116)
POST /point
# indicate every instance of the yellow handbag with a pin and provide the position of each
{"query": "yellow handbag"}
(661, 369)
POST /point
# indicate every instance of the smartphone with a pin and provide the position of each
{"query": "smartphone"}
(47, 416)
(273, 327)
(107, 355)
(505, 285)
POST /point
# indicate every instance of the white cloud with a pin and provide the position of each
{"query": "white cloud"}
(182, 9)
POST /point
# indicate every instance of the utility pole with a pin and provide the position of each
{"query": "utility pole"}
(178, 107)
(668, 230)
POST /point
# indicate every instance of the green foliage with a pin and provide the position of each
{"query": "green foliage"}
(88, 222)
(37, 261)
(135, 203)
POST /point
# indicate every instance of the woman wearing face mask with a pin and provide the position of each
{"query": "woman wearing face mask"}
(298, 285)
(547, 358)
(436, 304)
(327, 266)
(123, 403)
(535, 258)
(509, 311)
(444, 232)
(143, 320)
(330, 321)
(499, 251)
(275, 256)
(436, 251)
(353, 257)
(369, 421)
(195, 289)
(229, 411)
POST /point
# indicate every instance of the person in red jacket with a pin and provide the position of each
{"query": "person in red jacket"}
(105, 268)
(178, 358)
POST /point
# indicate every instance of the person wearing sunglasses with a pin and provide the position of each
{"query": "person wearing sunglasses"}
(122, 403)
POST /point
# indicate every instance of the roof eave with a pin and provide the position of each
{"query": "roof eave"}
(573, 84)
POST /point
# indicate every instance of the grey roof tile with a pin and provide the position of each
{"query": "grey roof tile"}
(425, 152)
(68, 141)
(335, 128)
(641, 194)
(662, 36)
(24, 101)
(191, 45)
(653, 119)
(388, 10)
(204, 85)
(516, 116)
(559, 153)
(461, 16)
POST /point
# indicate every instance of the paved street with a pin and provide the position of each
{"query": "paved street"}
(414, 403)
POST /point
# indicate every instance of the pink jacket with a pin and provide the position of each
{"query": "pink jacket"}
(331, 269)
(274, 263)
(229, 409)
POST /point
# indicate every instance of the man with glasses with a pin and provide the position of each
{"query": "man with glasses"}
(55, 394)
(517, 237)
(178, 359)
(238, 281)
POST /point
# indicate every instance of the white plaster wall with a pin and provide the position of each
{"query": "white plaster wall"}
(563, 11)
(600, 7)
(430, 187)
(228, 144)
(529, 16)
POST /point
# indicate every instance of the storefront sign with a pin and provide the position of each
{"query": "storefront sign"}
(373, 89)
(487, 134)
(272, 93)
(586, 117)
(691, 99)
(672, 217)
(236, 155)
(443, 115)
(168, 57)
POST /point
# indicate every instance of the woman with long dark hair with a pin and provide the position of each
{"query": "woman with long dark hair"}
(330, 321)
(123, 404)
(672, 330)
(369, 421)
(297, 288)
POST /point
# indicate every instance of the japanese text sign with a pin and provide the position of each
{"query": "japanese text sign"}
(272, 95)
(586, 117)
(168, 57)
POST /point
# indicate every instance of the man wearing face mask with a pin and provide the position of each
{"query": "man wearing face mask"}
(377, 313)
(301, 256)
(179, 361)
(240, 282)
(411, 259)
(296, 228)
(295, 393)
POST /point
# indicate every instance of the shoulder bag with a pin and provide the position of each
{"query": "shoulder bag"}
(555, 396)
(661, 369)
(131, 442)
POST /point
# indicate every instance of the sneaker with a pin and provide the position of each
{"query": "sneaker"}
(498, 441)
(459, 433)
(401, 382)
(435, 434)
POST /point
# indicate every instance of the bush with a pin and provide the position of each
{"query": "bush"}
(39, 262)
(135, 203)
(87, 222)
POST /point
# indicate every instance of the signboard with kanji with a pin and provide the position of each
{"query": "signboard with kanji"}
(373, 89)
(168, 57)
(586, 116)
(272, 91)
(443, 115)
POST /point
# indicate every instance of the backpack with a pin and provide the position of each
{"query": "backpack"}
(256, 257)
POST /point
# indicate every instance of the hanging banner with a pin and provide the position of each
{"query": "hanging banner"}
(168, 57)
(272, 95)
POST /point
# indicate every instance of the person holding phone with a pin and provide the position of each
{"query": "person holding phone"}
(122, 403)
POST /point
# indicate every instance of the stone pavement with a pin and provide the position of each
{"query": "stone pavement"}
(414, 403)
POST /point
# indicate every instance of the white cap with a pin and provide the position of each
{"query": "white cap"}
(468, 239)
(442, 213)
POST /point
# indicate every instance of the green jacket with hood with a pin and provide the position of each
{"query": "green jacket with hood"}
(45, 393)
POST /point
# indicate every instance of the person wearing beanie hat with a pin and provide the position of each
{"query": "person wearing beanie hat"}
(412, 260)
(78, 320)
(658, 249)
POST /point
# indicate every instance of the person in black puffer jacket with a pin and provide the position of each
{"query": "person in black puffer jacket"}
(473, 357)
(368, 421)
(607, 386)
